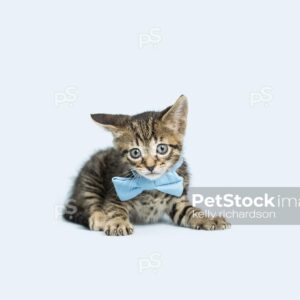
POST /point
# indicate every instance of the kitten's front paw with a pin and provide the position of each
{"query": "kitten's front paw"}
(97, 221)
(209, 223)
(118, 227)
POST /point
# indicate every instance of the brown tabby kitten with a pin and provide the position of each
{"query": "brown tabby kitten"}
(94, 202)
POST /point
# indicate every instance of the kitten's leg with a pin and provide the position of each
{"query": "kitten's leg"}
(92, 205)
(97, 220)
(117, 222)
(184, 214)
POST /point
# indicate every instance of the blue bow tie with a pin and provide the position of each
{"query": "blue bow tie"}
(169, 183)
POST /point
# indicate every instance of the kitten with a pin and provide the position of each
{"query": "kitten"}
(146, 146)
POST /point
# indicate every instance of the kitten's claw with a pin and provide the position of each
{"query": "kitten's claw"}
(118, 227)
(209, 223)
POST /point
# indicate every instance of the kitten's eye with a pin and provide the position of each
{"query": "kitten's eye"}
(162, 149)
(135, 153)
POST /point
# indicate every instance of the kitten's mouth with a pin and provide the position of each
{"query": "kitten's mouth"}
(151, 175)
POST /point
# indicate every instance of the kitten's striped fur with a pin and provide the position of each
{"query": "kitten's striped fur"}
(94, 203)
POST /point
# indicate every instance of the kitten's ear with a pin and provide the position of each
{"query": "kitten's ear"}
(174, 117)
(113, 123)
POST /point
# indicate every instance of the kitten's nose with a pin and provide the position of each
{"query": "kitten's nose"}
(150, 168)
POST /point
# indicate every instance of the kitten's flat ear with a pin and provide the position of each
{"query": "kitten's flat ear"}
(175, 116)
(113, 123)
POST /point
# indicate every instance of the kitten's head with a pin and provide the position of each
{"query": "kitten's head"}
(150, 142)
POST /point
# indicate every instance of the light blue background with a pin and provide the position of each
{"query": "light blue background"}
(218, 53)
